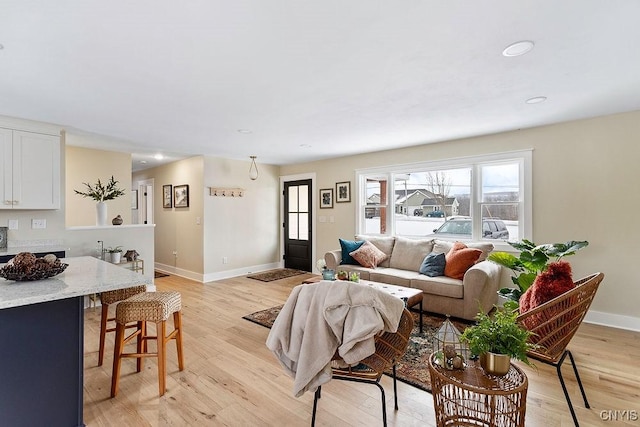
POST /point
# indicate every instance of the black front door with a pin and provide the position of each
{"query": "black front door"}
(297, 224)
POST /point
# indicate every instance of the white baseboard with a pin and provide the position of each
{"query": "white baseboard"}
(218, 275)
(613, 320)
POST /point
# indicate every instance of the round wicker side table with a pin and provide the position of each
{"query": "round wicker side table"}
(470, 397)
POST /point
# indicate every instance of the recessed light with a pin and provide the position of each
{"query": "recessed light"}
(158, 157)
(536, 100)
(144, 162)
(518, 48)
(245, 131)
(305, 146)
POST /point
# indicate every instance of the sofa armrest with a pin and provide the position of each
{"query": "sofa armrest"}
(481, 284)
(333, 259)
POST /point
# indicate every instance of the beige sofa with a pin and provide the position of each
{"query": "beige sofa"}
(444, 295)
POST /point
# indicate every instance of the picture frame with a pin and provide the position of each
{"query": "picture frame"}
(181, 196)
(343, 192)
(326, 198)
(167, 196)
(134, 199)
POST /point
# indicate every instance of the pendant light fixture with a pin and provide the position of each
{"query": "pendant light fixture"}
(253, 169)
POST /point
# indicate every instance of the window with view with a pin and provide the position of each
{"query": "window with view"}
(483, 198)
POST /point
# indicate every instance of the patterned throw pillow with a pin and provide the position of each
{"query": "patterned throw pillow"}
(459, 259)
(368, 255)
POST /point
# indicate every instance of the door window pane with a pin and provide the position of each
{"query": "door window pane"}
(303, 227)
(293, 225)
(293, 199)
(304, 198)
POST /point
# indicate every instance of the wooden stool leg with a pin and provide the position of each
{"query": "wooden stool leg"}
(141, 346)
(162, 349)
(103, 332)
(117, 358)
(177, 322)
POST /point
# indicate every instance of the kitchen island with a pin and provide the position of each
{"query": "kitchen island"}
(42, 341)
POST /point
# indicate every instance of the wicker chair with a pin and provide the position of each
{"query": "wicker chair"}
(390, 346)
(555, 322)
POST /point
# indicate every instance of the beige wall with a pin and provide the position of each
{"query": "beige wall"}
(245, 229)
(89, 165)
(584, 187)
(177, 229)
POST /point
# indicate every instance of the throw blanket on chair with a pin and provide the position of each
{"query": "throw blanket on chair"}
(319, 319)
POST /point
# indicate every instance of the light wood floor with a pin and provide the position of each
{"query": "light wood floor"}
(231, 378)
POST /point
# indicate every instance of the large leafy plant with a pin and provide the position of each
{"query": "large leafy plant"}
(499, 334)
(101, 192)
(533, 260)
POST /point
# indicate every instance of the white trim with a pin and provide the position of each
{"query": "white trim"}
(314, 207)
(613, 320)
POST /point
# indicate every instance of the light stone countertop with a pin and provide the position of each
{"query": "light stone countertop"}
(84, 276)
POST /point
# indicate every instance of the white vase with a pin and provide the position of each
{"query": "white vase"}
(101, 214)
(115, 257)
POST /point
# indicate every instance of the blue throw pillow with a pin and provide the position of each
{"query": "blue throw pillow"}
(347, 247)
(433, 265)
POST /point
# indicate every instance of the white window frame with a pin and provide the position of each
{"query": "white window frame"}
(525, 211)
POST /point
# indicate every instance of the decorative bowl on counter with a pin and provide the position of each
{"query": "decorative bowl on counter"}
(26, 267)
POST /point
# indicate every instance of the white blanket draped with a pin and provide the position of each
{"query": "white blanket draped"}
(318, 319)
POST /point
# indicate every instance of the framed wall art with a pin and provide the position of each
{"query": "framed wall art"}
(343, 192)
(326, 198)
(167, 196)
(181, 196)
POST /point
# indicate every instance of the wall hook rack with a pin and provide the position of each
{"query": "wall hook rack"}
(226, 192)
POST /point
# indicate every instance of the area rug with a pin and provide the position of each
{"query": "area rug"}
(280, 273)
(412, 368)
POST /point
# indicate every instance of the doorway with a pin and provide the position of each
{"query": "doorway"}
(298, 224)
(145, 196)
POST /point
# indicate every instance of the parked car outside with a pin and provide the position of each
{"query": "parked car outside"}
(435, 214)
(417, 212)
(492, 228)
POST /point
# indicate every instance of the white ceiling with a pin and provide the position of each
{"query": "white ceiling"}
(312, 79)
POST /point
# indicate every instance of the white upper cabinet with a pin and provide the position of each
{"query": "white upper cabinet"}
(30, 177)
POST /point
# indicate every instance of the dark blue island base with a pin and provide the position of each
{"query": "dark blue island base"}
(41, 364)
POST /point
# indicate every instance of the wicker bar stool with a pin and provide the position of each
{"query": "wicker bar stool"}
(107, 299)
(142, 308)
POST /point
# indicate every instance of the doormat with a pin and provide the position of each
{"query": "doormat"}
(157, 274)
(413, 367)
(280, 273)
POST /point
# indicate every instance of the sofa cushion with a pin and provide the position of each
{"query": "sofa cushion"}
(348, 246)
(459, 259)
(393, 276)
(444, 246)
(368, 255)
(433, 265)
(384, 243)
(408, 254)
(442, 285)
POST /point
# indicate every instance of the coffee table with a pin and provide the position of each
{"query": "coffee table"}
(412, 297)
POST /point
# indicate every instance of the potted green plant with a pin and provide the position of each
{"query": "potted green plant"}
(497, 339)
(532, 260)
(101, 193)
(115, 254)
